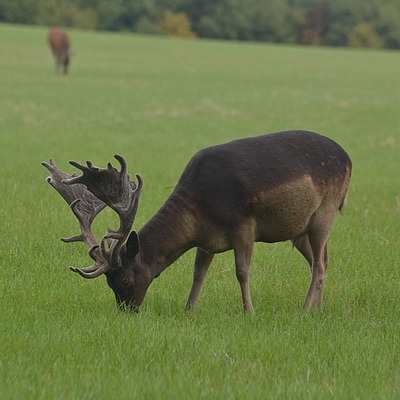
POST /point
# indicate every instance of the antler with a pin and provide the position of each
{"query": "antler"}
(83, 204)
(105, 186)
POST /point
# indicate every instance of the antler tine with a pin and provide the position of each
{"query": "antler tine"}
(86, 234)
(104, 260)
(100, 266)
(127, 210)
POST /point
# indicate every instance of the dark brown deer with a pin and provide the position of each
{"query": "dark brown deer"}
(271, 188)
(60, 46)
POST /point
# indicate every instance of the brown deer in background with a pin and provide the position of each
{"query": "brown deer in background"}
(60, 46)
(271, 188)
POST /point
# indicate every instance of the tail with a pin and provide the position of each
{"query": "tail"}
(346, 183)
(343, 203)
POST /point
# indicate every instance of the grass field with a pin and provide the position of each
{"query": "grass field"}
(157, 101)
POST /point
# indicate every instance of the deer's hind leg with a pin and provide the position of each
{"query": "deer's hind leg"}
(201, 264)
(302, 244)
(318, 234)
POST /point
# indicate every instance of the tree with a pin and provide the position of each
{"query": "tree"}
(388, 25)
(20, 11)
(330, 22)
(316, 26)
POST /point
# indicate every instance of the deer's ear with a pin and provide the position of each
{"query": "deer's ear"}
(132, 244)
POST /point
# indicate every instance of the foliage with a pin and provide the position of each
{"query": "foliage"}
(368, 23)
(388, 25)
(365, 36)
(273, 21)
(21, 11)
(64, 13)
(176, 25)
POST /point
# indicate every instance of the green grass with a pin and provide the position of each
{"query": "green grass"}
(157, 101)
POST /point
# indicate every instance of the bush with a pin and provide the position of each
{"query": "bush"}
(176, 25)
(365, 36)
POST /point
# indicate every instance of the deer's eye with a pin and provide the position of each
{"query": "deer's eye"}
(125, 281)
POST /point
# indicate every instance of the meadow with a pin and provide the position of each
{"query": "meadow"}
(157, 101)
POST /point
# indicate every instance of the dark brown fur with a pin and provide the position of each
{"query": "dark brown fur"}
(60, 44)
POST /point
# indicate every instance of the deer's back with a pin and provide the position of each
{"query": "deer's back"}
(58, 41)
(276, 180)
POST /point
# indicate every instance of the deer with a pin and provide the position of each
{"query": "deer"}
(282, 186)
(60, 44)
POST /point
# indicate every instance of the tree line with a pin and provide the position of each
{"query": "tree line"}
(356, 23)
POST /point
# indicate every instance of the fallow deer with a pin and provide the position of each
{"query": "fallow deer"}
(271, 188)
(59, 43)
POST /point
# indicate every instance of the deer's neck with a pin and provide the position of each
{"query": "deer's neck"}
(169, 234)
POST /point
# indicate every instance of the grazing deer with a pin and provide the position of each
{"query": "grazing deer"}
(271, 188)
(60, 46)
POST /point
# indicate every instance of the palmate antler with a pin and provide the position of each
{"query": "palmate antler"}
(89, 194)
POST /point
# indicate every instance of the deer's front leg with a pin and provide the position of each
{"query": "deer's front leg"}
(201, 264)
